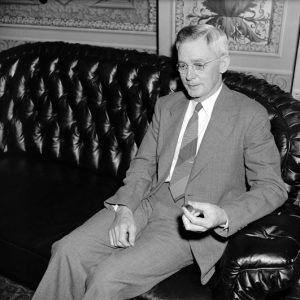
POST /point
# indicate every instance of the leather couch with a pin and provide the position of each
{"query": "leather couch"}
(71, 118)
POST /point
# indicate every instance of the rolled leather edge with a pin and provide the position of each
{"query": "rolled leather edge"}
(262, 258)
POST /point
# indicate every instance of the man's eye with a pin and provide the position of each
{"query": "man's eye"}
(199, 66)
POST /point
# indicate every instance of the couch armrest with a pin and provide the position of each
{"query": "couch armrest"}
(263, 257)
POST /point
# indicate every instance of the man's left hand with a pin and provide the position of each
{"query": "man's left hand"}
(211, 216)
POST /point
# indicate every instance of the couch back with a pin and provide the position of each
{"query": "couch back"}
(90, 106)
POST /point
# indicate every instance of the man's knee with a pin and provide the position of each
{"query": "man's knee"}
(69, 244)
(101, 280)
(104, 282)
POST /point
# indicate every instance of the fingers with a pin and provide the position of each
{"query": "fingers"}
(195, 215)
(192, 227)
(194, 211)
(213, 214)
(111, 238)
(197, 205)
(131, 235)
(195, 220)
(122, 236)
(118, 238)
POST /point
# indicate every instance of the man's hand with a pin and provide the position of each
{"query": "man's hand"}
(205, 216)
(123, 230)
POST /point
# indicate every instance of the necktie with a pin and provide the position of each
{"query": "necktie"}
(186, 156)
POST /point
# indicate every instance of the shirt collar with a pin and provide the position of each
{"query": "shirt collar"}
(208, 104)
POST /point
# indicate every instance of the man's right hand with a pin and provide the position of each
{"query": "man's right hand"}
(123, 230)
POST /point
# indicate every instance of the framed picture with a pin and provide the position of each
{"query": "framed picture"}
(251, 26)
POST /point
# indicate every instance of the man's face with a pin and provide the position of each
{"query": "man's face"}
(201, 84)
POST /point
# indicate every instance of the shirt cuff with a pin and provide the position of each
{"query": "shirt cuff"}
(225, 226)
(115, 207)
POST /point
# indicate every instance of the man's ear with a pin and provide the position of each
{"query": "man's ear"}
(224, 63)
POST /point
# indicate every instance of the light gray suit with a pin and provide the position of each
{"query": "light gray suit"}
(237, 151)
(237, 146)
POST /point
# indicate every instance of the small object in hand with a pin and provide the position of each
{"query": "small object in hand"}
(190, 208)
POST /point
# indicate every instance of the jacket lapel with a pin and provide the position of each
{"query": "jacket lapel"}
(219, 127)
(172, 123)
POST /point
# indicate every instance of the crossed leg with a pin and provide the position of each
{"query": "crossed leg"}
(75, 255)
(158, 253)
(84, 265)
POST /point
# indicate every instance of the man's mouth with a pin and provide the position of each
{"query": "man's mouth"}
(193, 86)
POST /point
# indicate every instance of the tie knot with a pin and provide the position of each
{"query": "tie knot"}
(198, 107)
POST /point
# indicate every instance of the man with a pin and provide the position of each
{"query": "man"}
(210, 148)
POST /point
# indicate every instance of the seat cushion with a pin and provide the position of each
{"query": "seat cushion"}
(40, 203)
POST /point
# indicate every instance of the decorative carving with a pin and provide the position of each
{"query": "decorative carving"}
(114, 3)
(252, 26)
(284, 81)
(6, 44)
(25, 2)
(64, 2)
(130, 15)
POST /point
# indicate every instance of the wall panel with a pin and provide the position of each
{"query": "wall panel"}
(118, 23)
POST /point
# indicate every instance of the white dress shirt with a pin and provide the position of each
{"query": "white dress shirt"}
(204, 116)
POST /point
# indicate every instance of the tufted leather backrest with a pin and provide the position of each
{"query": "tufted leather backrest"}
(85, 105)
(90, 106)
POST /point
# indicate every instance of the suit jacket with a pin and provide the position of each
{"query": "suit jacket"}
(237, 166)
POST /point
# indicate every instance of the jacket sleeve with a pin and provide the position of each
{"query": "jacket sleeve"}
(263, 175)
(139, 176)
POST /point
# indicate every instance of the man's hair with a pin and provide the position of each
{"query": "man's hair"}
(214, 37)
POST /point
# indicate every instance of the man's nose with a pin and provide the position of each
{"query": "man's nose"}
(190, 72)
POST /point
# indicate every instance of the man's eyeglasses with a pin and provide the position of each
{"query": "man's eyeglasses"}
(196, 67)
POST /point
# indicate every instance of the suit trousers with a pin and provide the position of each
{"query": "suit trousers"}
(83, 265)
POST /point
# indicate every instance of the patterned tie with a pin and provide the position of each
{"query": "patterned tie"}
(186, 156)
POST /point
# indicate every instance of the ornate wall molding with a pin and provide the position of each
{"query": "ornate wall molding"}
(26, 2)
(252, 26)
(284, 81)
(279, 77)
(6, 44)
(127, 15)
(114, 3)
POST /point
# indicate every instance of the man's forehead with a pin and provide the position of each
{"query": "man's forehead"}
(195, 48)
(197, 42)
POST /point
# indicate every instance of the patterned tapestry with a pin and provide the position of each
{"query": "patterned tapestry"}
(252, 25)
(129, 15)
